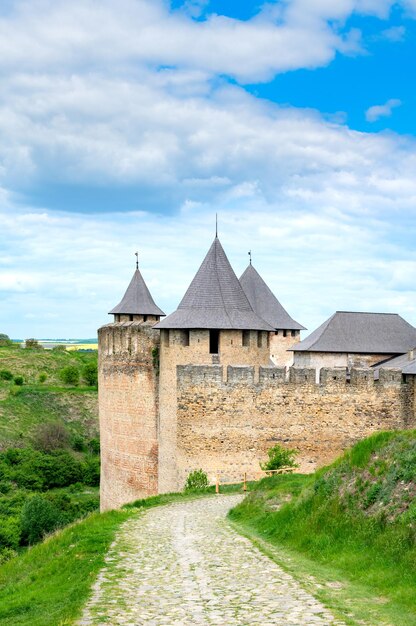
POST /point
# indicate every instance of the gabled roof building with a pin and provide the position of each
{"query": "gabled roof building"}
(350, 338)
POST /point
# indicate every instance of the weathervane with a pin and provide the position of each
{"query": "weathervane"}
(216, 224)
(136, 254)
(249, 254)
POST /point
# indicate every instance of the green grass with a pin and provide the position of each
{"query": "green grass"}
(355, 520)
(50, 583)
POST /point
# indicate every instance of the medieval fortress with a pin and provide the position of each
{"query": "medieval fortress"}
(222, 379)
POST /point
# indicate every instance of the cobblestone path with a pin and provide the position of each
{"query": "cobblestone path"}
(183, 565)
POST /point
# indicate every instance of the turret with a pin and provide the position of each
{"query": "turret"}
(286, 331)
(128, 398)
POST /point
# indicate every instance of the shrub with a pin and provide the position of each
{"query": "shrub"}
(279, 457)
(91, 471)
(38, 517)
(18, 380)
(94, 445)
(33, 344)
(78, 442)
(6, 375)
(6, 554)
(9, 532)
(5, 340)
(90, 374)
(59, 348)
(51, 436)
(69, 375)
(60, 469)
(42, 377)
(197, 480)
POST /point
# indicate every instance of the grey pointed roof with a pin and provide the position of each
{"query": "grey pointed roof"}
(215, 299)
(137, 300)
(264, 302)
(365, 333)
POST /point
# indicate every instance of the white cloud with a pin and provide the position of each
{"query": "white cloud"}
(381, 110)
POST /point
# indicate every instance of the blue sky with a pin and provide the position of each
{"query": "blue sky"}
(294, 120)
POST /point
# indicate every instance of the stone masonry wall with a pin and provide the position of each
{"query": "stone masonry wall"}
(128, 410)
(174, 352)
(230, 426)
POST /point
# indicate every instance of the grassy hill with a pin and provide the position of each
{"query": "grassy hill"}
(353, 521)
(24, 407)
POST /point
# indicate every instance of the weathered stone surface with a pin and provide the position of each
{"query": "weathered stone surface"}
(183, 565)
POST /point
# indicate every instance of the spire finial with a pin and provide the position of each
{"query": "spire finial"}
(136, 254)
(249, 254)
(216, 224)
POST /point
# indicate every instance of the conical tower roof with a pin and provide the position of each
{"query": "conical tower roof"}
(215, 299)
(137, 300)
(265, 303)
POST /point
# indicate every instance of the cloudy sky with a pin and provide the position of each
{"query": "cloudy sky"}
(127, 124)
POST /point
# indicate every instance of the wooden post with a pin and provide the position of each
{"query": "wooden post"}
(245, 482)
(217, 483)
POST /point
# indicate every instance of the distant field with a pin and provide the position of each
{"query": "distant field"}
(70, 344)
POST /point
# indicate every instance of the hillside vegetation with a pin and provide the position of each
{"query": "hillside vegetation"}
(42, 395)
(356, 516)
(49, 446)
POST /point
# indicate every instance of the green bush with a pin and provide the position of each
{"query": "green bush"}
(38, 517)
(69, 375)
(90, 373)
(6, 375)
(5, 340)
(91, 471)
(94, 446)
(196, 481)
(51, 436)
(78, 442)
(6, 554)
(279, 457)
(33, 344)
(18, 380)
(42, 377)
(59, 348)
(9, 532)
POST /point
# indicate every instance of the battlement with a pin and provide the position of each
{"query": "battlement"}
(304, 377)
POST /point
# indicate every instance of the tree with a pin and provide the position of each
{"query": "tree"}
(33, 344)
(38, 517)
(90, 373)
(51, 436)
(69, 375)
(5, 340)
(279, 457)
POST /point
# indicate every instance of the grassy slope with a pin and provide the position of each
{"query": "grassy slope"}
(23, 408)
(353, 522)
(49, 584)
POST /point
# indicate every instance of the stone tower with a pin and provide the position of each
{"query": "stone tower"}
(213, 325)
(286, 331)
(128, 398)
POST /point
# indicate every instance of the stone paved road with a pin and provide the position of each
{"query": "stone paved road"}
(183, 565)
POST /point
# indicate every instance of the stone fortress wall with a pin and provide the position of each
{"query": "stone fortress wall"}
(228, 426)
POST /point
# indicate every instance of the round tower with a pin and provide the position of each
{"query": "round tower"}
(213, 325)
(128, 360)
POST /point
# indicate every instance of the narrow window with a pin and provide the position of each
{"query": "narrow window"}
(285, 333)
(186, 337)
(130, 318)
(259, 339)
(276, 332)
(214, 338)
(166, 338)
(293, 333)
(246, 338)
(145, 318)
